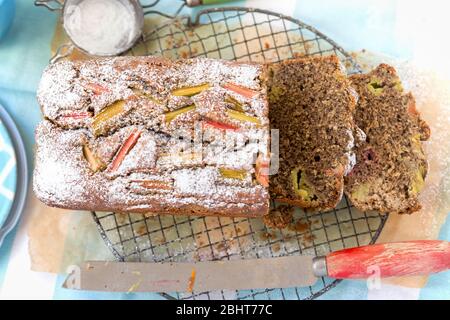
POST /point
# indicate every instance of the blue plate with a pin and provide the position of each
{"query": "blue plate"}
(13, 174)
(8, 173)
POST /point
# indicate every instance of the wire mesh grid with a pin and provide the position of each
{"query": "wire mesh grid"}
(240, 34)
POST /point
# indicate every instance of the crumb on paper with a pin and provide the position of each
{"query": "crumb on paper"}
(308, 239)
(142, 230)
(169, 41)
(300, 226)
(191, 281)
(267, 236)
(137, 273)
(180, 42)
(276, 247)
(89, 266)
(184, 54)
(178, 24)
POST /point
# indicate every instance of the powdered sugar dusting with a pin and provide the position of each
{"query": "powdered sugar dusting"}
(196, 182)
(432, 96)
(350, 152)
(167, 168)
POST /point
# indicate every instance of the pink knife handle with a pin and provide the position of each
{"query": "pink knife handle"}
(390, 259)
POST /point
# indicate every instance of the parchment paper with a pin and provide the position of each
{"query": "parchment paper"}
(433, 101)
(59, 238)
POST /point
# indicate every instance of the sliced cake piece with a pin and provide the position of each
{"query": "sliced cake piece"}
(391, 164)
(311, 104)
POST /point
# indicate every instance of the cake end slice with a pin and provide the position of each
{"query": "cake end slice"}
(391, 164)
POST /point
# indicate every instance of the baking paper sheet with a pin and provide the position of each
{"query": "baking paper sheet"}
(59, 238)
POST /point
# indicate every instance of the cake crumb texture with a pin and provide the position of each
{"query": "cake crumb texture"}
(391, 164)
(311, 104)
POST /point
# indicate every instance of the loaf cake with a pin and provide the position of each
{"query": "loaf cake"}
(391, 164)
(311, 104)
(146, 134)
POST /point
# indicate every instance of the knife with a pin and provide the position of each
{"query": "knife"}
(384, 260)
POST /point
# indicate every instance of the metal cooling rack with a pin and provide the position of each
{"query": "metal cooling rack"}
(241, 34)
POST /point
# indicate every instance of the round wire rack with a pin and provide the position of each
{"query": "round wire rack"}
(241, 34)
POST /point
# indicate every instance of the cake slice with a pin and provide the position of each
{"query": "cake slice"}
(311, 103)
(391, 165)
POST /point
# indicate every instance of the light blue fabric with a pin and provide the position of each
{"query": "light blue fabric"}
(24, 53)
(7, 10)
(5, 252)
(355, 24)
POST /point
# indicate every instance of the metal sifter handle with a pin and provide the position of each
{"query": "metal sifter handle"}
(195, 3)
(52, 5)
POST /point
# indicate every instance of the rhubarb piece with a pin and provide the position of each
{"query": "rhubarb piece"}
(96, 88)
(242, 91)
(233, 173)
(262, 170)
(236, 104)
(398, 85)
(237, 115)
(302, 187)
(169, 116)
(375, 86)
(360, 193)
(94, 162)
(125, 149)
(190, 91)
(220, 125)
(98, 123)
(154, 184)
(77, 115)
(139, 93)
(191, 281)
(418, 181)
